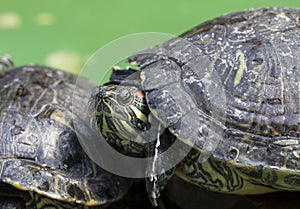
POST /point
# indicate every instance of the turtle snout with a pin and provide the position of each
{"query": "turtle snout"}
(102, 92)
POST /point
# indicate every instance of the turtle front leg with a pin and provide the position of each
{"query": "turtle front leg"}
(157, 175)
(211, 174)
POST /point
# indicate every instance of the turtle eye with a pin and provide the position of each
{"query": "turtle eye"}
(124, 97)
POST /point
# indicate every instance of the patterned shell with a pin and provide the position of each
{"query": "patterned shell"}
(231, 86)
(39, 149)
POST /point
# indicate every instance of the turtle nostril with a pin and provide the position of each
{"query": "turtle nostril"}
(102, 94)
(98, 93)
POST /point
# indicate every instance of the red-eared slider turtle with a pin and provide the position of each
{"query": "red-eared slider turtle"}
(42, 164)
(229, 89)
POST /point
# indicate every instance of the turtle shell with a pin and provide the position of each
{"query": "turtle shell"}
(231, 87)
(39, 150)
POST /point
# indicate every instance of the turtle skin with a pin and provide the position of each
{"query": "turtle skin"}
(42, 163)
(228, 89)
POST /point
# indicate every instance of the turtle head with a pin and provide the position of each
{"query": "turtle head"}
(121, 115)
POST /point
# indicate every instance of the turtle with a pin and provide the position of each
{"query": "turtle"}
(42, 164)
(226, 90)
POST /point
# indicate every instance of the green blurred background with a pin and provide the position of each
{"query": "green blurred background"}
(64, 33)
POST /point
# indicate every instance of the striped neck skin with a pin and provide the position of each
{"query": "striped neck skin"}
(121, 115)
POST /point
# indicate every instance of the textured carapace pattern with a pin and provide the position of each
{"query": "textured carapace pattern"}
(256, 54)
(234, 80)
(39, 149)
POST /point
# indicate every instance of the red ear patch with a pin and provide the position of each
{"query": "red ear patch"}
(140, 94)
